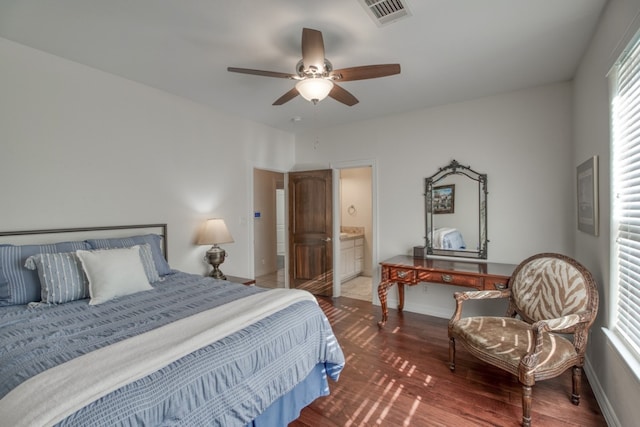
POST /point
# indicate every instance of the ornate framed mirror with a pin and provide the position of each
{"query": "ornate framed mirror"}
(456, 212)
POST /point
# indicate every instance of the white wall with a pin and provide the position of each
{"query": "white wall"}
(80, 147)
(616, 385)
(522, 140)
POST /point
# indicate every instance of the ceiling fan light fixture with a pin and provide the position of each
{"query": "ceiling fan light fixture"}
(315, 75)
(314, 89)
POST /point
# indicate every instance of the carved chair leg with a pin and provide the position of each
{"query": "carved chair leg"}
(452, 353)
(526, 406)
(577, 383)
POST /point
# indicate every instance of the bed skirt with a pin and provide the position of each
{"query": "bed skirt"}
(287, 408)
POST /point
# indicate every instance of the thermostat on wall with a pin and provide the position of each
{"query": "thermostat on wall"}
(257, 214)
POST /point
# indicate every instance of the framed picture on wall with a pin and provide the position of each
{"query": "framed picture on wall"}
(587, 181)
(444, 199)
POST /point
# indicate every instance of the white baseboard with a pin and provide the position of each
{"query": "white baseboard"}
(607, 410)
(429, 310)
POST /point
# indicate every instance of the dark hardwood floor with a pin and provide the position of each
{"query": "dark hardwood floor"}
(399, 376)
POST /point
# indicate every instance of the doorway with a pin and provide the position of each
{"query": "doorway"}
(268, 271)
(356, 232)
(268, 228)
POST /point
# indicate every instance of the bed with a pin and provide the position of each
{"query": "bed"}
(167, 348)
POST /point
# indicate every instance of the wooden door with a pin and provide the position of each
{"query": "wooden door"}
(310, 230)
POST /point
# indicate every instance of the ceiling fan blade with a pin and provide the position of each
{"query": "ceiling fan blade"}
(287, 97)
(365, 72)
(312, 49)
(260, 72)
(342, 95)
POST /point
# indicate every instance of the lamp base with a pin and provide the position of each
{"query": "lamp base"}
(217, 274)
(216, 256)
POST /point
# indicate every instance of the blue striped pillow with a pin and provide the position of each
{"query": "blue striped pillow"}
(61, 277)
(4, 286)
(146, 256)
(23, 284)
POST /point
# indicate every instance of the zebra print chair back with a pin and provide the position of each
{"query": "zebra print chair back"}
(549, 286)
(553, 302)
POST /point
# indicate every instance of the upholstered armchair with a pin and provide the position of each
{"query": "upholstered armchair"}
(553, 301)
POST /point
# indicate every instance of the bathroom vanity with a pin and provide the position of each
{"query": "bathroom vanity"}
(351, 253)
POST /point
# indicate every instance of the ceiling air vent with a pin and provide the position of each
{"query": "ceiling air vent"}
(384, 12)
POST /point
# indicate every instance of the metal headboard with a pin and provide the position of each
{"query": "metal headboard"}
(86, 232)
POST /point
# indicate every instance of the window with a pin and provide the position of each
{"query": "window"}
(625, 168)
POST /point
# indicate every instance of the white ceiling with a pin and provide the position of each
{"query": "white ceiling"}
(449, 50)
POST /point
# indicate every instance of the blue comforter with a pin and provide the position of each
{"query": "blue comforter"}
(226, 383)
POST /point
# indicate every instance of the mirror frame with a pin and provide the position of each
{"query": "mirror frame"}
(455, 168)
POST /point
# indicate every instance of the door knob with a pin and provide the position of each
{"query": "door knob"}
(326, 239)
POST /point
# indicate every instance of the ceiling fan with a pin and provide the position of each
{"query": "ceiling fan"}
(316, 76)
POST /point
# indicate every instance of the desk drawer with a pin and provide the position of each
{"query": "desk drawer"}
(492, 283)
(451, 279)
(404, 275)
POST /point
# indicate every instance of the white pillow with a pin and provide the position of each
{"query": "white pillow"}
(113, 273)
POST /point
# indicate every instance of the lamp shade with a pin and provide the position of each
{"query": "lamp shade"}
(314, 89)
(214, 232)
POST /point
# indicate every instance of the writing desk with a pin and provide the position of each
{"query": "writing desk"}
(405, 270)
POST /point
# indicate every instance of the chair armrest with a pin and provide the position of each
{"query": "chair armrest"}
(559, 324)
(460, 297)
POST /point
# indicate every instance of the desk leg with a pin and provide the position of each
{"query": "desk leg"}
(400, 296)
(383, 287)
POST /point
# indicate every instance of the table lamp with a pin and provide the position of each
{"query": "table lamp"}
(215, 232)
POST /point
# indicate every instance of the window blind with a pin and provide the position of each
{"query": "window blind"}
(625, 111)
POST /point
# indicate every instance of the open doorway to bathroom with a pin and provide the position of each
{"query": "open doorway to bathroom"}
(356, 233)
(269, 228)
